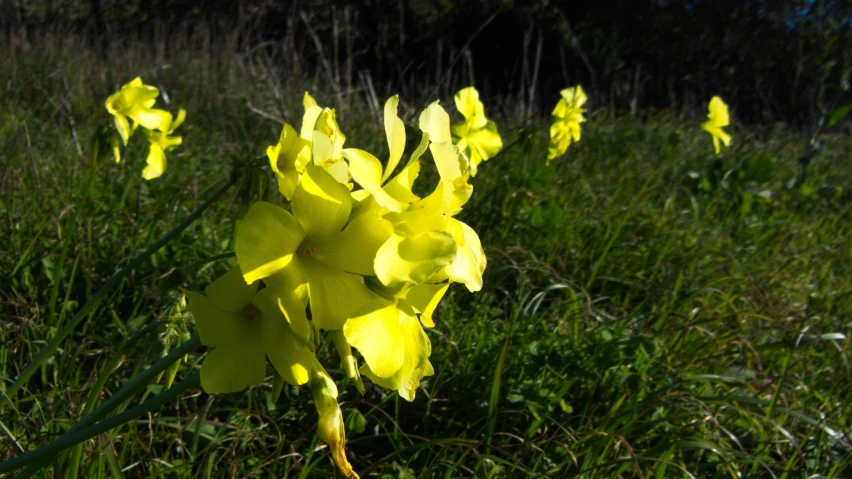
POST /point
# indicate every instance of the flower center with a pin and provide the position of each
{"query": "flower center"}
(306, 248)
(250, 312)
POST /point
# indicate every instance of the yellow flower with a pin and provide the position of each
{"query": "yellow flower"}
(243, 326)
(133, 102)
(314, 250)
(477, 136)
(567, 117)
(319, 141)
(160, 143)
(718, 118)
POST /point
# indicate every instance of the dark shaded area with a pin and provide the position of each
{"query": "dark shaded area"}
(772, 60)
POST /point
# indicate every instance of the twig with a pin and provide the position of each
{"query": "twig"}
(456, 59)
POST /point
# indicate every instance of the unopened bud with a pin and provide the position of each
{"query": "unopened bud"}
(330, 427)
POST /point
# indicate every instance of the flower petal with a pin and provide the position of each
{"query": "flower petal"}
(267, 237)
(290, 356)
(215, 325)
(436, 122)
(424, 298)
(151, 118)
(413, 259)
(415, 366)
(334, 294)
(354, 249)
(321, 204)
(123, 127)
(395, 131)
(377, 335)
(470, 262)
(235, 365)
(718, 115)
(230, 291)
(156, 162)
(309, 119)
(366, 170)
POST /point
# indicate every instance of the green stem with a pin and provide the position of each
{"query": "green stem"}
(45, 454)
(131, 389)
(92, 399)
(100, 294)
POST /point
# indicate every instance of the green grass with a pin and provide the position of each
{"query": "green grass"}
(644, 314)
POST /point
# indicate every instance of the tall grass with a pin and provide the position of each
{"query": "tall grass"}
(649, 310)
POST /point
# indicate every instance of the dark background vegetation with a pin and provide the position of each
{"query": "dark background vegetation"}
(772, 60)
(650, 308)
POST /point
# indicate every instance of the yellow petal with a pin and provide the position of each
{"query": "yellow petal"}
(470, 261)
(416, 352)
(469, 105)
(123, 127)
(355, 247)
(178, 121)
(150, 118)
(366, 170)
(424, 298)
(235, 365)
(436, 123)
(334, 294)
(395, 131)
(377, 335)
(293, 360)
(230, 291)
(451, 162)
(413, 259)
(267, 237)
(216, 327)
(718, 112)
(309, 119)
(399, 187)
(575, 96)
(321, 204)
(156, 162)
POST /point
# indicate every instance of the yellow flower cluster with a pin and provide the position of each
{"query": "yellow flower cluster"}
(357, 254)
(568, 114)
(132, 107)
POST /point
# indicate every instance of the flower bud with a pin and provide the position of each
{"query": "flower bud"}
(330, 427)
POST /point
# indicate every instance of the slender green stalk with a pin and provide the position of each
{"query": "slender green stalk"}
(100, 294)
(43, 455)
(91, 400)
(131, 389)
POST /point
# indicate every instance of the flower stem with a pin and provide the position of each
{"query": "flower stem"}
(131, 389)
(100, 294)
(45, 454)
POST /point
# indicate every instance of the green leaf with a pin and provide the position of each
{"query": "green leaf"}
(838, 114)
